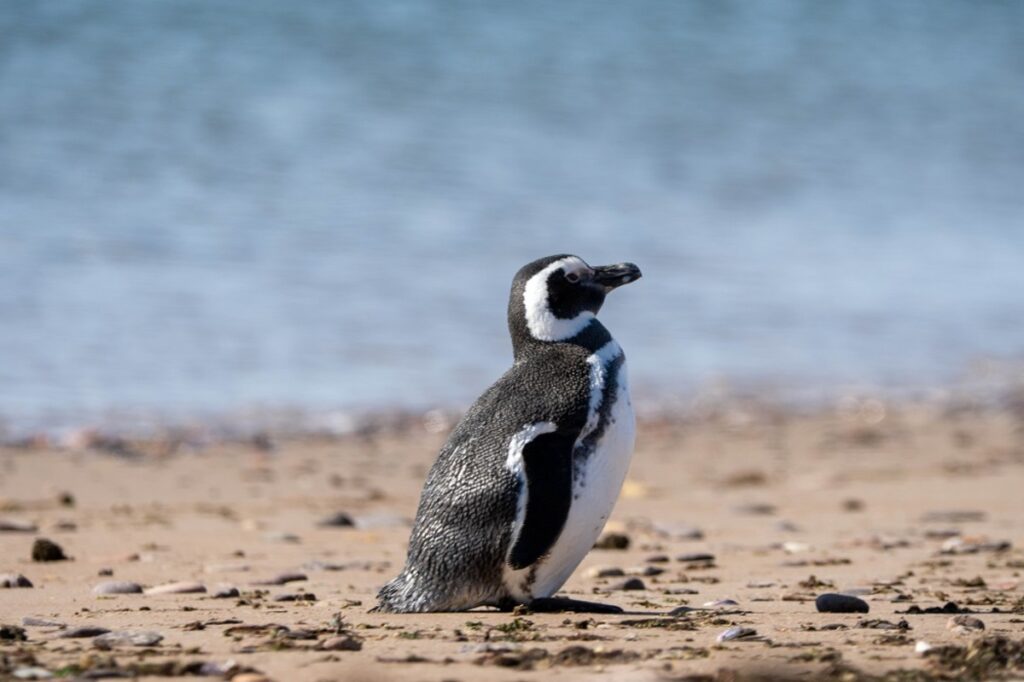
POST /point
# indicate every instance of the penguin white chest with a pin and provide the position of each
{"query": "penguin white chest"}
(602, 452)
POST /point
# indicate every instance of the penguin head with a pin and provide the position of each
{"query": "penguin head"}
(555, 298)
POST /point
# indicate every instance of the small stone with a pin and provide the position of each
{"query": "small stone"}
(300, 596)
(83, 632)
(282, 578)
(736, 633)
(250, 677)
(113, 640)
(65, 525)
(16, 526)
(852, 504)
(645, 571)
(32, 673)
(612, 541)
(695, 557)
(337, 520)
(922, 647)
(657, 559)
(341, 643)
(721, 604)
(681, 611)
(840, 603)
(66, 499)
(14, 580)
(224, 591)
(755, 509)
(46, 550)
(31, 621)
(183, 587)
(604, 572)
(105, 572)
(791, 547)
(629, 584)
(117, 587)
(761, 584)
(965, 625)
(12, 633)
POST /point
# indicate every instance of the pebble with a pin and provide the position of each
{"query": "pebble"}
(84, 631)
(227, 568)
(694, 557)
(301, 596)
(605, 572)
(105, 572)
(922, 647)
(31, 621)
(117, 587)
(680, 531)
(840, 603)
(657, 559)
(681, 611)
(224, 591)
(183, 587)
(341, 643)
(736, 632)
(761, 584)
(14, 580)
(721, 604)
(127, 638)
(282, 578)
(629, 584)
(250, 677)
(645, 571)
(792, 547)
(15, 526)
(755, 509)
(965, 625)
(32, 673)
(47, 550)
(973, 545)
(12, 633)
(612, 541)
(337, 520)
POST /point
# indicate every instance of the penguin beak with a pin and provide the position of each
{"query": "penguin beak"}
(611, 276)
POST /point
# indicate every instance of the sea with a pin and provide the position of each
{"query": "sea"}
(222, 207)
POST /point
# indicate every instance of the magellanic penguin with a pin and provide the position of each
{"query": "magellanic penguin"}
(527, 479)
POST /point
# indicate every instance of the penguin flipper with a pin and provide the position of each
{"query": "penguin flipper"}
(547, 485)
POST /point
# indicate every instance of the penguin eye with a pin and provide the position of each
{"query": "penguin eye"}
(572, 277)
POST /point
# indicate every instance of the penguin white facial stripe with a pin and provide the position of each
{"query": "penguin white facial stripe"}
(542, 323)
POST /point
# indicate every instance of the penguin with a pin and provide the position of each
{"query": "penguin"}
(527, 479)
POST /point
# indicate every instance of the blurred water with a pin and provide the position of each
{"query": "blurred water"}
(208, 206)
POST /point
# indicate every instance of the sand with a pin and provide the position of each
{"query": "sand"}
(907, 505)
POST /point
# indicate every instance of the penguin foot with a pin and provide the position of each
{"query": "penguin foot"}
(564, 604)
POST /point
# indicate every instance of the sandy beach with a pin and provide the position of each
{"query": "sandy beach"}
(744, 513)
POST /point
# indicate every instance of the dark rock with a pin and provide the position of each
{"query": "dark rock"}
(302, 596)
(224, 592)
(629, 584)
(12, 633)
(695, 557)
(47, 550)
(14, 580)
(612, 541)
(282, 579)
(657, 559)
(83, 632)
(840, 603)
(337, 520)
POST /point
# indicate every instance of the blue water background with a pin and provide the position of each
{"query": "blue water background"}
(211, 206)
